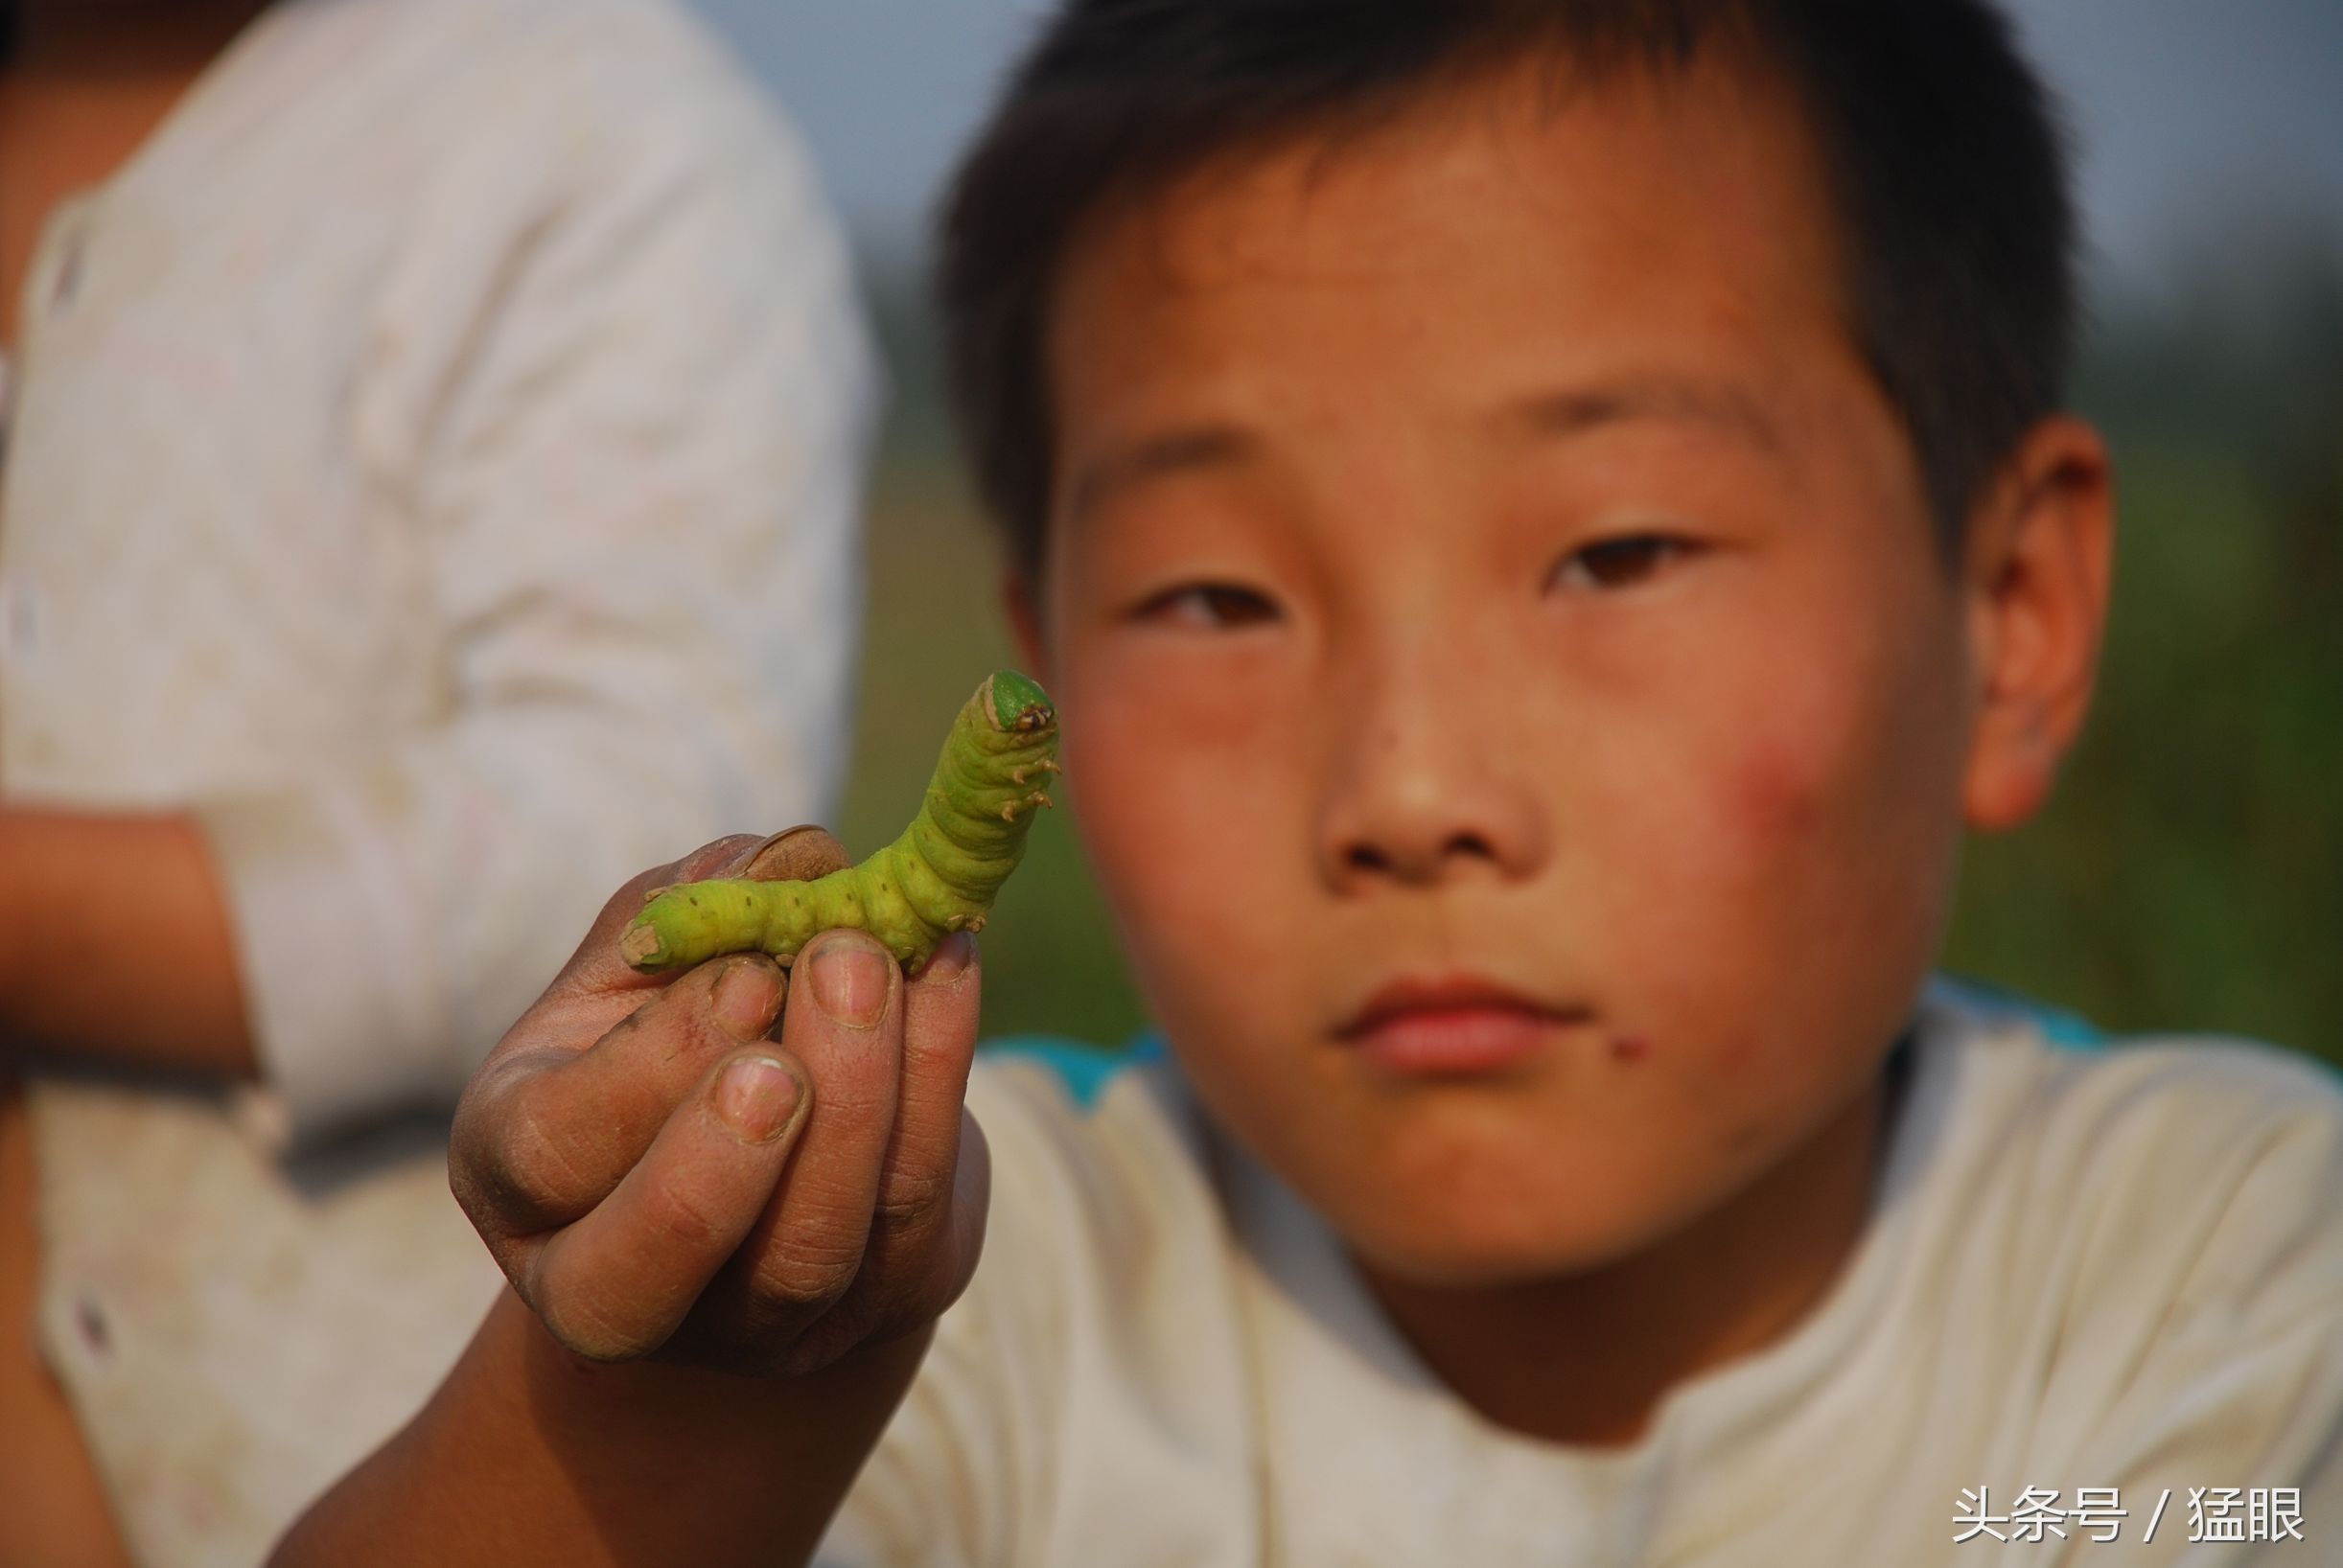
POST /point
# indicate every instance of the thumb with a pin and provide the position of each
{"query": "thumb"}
(616, 1283)
(803, 853)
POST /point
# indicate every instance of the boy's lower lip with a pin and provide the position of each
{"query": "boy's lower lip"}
(1442, 1042)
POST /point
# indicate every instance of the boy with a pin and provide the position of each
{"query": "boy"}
(1543, 522)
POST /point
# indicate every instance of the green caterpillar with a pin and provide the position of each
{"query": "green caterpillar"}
(939, 877)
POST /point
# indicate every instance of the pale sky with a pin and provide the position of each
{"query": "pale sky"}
(2195, 116)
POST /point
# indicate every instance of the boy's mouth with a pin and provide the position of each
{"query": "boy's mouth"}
(1451, 1025)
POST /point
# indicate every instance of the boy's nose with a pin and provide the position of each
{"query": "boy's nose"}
(1418, 790)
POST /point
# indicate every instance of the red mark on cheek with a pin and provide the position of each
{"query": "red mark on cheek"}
(1777, 799)
(1628, 1047)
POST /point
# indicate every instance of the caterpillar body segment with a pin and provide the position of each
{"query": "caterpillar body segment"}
(939, 876)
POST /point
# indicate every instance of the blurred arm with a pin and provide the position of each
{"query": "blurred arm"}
(637, 497)
(119, 941)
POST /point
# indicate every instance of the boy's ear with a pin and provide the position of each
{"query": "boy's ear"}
(1019, 605)
(2037, 557)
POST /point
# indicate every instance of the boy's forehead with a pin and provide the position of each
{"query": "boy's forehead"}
(1634, 202)
(1637, 156)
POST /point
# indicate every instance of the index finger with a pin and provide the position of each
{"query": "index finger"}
(597, 987)
(574, 1093)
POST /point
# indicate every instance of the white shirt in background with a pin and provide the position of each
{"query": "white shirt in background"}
(435, 460)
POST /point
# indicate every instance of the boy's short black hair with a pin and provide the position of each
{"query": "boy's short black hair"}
(1944, 157)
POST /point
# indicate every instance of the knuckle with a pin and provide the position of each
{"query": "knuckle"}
(914, 1200)
(706, 861)
(630, 893)
(676, 1024)
(637, 1018)
(794, 1277)
(817, 1341)
(472, 1196)
(630, 896)
(924, 1265)
(479, 1171)
(534, 1171)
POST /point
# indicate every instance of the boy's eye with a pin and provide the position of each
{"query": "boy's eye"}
(1619, 563)
(1208, 606)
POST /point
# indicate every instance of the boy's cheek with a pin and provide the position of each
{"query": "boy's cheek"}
(1814, 766)
(1831, 864)
(1171, 830)
(1770, 804)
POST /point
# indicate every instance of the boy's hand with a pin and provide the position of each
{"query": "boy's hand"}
(657, 1178)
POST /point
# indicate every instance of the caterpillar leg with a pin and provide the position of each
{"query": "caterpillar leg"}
(1037, 799)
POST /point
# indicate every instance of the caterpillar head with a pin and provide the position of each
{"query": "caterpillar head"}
(1017, 705)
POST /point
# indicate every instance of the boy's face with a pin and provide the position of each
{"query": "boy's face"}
(1481, 560)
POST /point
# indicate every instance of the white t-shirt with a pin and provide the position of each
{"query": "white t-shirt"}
(2087, 1268)
(434, 462)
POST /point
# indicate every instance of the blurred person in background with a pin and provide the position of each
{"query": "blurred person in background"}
(432, 435)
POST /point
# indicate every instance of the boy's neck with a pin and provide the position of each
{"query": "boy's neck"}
(1588, 1358)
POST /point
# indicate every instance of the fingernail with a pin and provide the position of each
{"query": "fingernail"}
(748, 994)
(849, 980)
(952, 955)
(758, 856)
(756, 1097)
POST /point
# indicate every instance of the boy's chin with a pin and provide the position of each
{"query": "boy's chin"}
(1448, 1250)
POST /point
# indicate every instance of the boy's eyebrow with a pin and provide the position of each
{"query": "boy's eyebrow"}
(1569, 410)
(1565, 411)
(1173, 451)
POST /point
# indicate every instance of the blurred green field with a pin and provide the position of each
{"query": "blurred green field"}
(935, 631)
(2190, 872)
(2187, 876)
